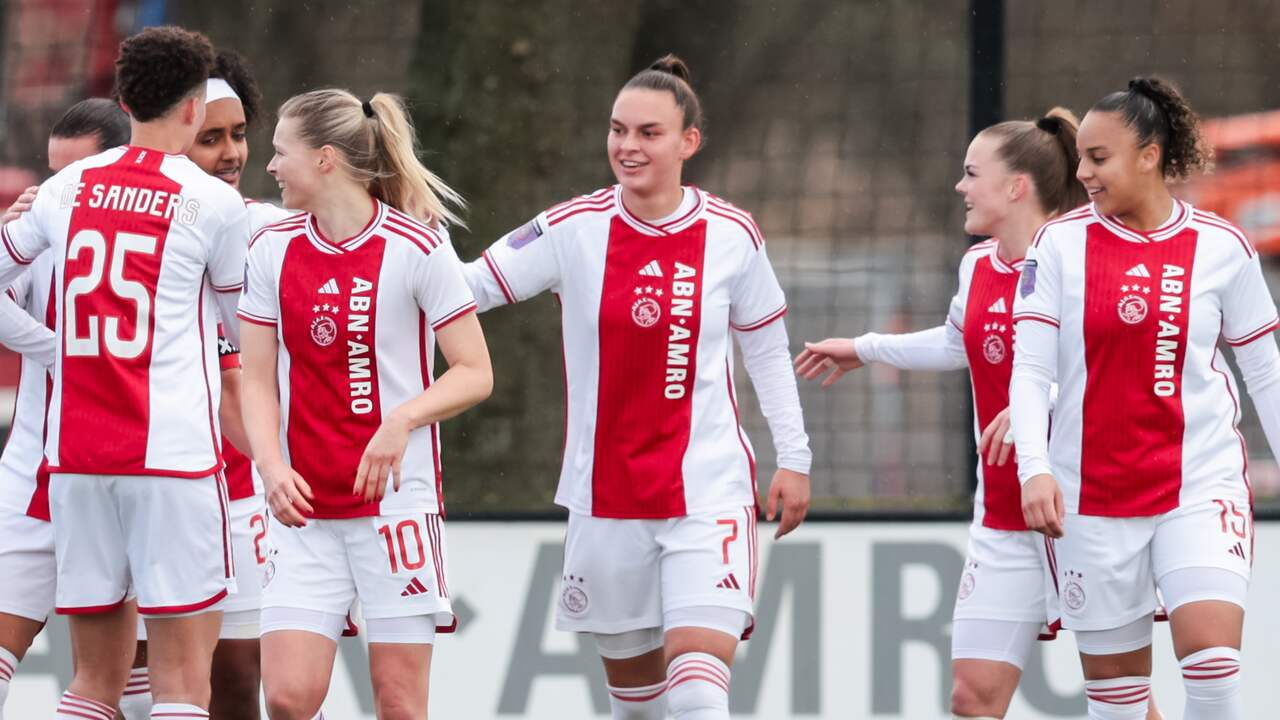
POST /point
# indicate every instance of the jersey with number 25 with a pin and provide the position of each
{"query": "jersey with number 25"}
(144, 243)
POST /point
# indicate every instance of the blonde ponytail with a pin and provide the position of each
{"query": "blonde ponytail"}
(379, 149)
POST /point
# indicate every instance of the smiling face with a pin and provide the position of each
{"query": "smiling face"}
(1114, 170)
(987, 186)
(295, 166)
(221, 148)
(647, 141)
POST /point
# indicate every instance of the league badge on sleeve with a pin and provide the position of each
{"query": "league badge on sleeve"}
(524, 234)
(1028, 285)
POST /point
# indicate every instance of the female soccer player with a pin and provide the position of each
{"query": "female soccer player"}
(146, 334)
(1144, 478)
(654, 279)
(1017, 175)
(345, 305)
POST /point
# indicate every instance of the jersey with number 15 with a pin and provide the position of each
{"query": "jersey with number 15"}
(145, 244)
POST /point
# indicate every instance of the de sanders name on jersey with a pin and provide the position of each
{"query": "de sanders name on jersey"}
(125, 198)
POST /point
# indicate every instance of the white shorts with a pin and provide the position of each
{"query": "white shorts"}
(1109, 568)
(166, 539)
(394, 564)
(28, 572)
(622, 575)
(249, 547)
(1007, 577)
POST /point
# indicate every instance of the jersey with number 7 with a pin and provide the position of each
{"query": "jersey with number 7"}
(145, 245)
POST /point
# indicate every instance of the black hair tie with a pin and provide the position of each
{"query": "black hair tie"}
(367, 107)
(1051, 125)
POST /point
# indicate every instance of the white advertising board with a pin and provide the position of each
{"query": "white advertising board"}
(852, 622)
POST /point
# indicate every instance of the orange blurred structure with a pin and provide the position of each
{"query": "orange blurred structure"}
(1244, 186)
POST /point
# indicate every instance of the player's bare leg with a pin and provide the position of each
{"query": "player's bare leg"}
(982, 688)
(16, 634)
(698, 662)
(398, 671)
(1206, 638)
(296, 667)
(235, 680)
(103, 645)
(180, 652)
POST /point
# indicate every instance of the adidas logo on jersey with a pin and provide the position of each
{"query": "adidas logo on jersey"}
(415, 587)
(729, 583)
(330, 287)
(998, 306)
(653, 269)
(1139, 270)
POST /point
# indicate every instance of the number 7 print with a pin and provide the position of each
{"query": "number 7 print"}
(733, 535)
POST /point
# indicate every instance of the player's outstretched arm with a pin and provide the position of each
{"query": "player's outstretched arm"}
(287, 492)
(467, 382)
(939, 348)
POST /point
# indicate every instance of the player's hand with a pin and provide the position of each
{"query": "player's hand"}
(381, 458)
(19, 206)
(791, 489)
(287, 494)
(997, 440)
(834, 355)
(1042, 505)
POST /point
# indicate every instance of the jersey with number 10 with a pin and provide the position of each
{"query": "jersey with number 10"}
(142, 241)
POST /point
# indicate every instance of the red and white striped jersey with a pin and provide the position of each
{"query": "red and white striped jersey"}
(356, 321)
(647, 310)
(142, 241)
(24, 478)
(1147, 408)
(982, 310)
(242, 480)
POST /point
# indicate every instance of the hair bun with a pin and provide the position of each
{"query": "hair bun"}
(673, 65)
(1143, 86)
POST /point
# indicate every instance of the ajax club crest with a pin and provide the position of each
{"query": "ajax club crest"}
(993, 345)
(645, 310)
(324, 329)
(1132, 307)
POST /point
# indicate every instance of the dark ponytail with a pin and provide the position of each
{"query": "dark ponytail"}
(1046, 151)
(670, 74)
(1157, 113)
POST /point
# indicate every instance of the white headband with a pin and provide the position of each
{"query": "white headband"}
(218, 89)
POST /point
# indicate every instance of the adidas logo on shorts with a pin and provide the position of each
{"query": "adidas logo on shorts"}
(729, 583)
(415, 587)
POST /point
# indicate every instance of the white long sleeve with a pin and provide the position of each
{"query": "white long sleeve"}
(24, 334)
(1035, 370)
(1259, 363)
(938, 348)
(767, 359)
